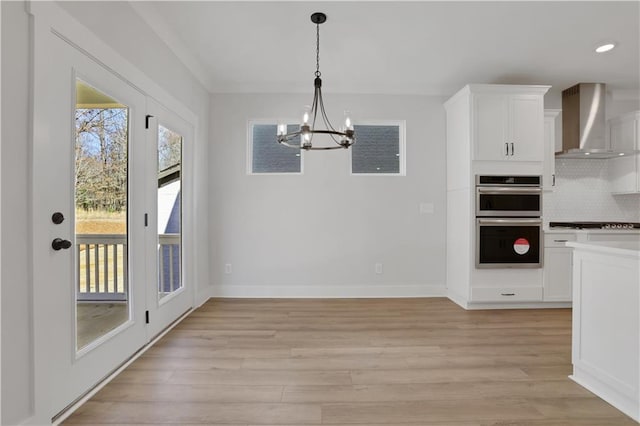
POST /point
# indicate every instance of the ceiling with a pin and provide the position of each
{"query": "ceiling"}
(414, 47)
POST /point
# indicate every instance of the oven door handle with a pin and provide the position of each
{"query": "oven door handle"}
(510, 221)
(508, 190)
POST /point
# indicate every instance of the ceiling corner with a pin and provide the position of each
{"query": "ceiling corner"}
(149, 14)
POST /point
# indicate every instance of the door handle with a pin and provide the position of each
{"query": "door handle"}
(59, 243)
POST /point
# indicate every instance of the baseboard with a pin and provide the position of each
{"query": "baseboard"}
(620, 400)
(329, 291)
(458, 299)
(202, 295)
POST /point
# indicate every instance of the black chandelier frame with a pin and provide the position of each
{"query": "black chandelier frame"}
(343, 139)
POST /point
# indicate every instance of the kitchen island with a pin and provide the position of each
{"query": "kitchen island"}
(606, 321)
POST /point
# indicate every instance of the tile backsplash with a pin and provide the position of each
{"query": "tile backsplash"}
(583, 193)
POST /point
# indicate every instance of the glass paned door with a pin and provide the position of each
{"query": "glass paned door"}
(89, 203)
(169, 211)
(169, 231)
(101, 146)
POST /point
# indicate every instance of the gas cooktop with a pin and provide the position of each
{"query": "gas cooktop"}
(595, 225)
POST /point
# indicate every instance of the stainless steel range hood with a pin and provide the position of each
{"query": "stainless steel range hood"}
(583, 122)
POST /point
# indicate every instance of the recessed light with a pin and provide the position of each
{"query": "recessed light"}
(605, 47)
(587, 153)
(621, 154)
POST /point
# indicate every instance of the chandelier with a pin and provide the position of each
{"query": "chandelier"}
(343, 138)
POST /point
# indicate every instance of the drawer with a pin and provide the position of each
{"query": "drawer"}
(614, 236)
(557, 239)
(506, 294)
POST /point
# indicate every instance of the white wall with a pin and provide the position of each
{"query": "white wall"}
(139, 46)
(321, 233)
(16, 290)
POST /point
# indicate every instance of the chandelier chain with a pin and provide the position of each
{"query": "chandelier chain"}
(317, 50)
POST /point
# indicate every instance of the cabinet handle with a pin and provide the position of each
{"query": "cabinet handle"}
(554, 179)
(506, 145)
(508, 294)
(560, 241)
(512, 150)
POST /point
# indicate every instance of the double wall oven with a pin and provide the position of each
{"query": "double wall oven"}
(508, 221)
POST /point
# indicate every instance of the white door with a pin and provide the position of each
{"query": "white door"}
(169, 293)
(90, 190)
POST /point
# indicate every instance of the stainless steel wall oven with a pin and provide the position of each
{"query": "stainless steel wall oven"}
(510, 196)
(508, 223)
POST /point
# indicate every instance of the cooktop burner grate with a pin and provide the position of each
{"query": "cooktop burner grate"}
(596, 225)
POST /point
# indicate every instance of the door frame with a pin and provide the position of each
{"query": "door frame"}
(47, 20)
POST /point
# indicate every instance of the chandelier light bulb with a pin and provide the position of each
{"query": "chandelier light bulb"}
(282, 129)
(305, 115)
(306, 139)
(348, 124)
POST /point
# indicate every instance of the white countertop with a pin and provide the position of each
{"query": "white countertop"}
(625, 248)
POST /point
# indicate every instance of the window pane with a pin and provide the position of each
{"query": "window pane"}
(377, 149)
(271, 157)
(101, 174)
(169, 211)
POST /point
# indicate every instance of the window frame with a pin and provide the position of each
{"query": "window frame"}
(249, 159)
(402, 124)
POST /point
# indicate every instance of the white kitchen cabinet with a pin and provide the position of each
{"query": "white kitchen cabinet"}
(624, 132)
(605, 349)
(624, 171)
(508, 126)
(482, 121)
(624, 174)
(551, 127)
(557, 274)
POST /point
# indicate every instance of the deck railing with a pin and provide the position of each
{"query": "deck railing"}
(168, 263)
(102, 267)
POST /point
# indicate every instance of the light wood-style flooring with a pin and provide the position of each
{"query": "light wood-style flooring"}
(354, 361)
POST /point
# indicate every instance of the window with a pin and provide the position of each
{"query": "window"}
(266, 155)
(379, 149)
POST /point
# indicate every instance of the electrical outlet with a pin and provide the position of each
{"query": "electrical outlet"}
(227, 268)
(378, 268)
(426, 208)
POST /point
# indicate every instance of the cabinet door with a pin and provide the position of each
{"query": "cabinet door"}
(490, 115)
(526, 130)
(623, 134)
(549, 166)
(557, 281)
(624, 175)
